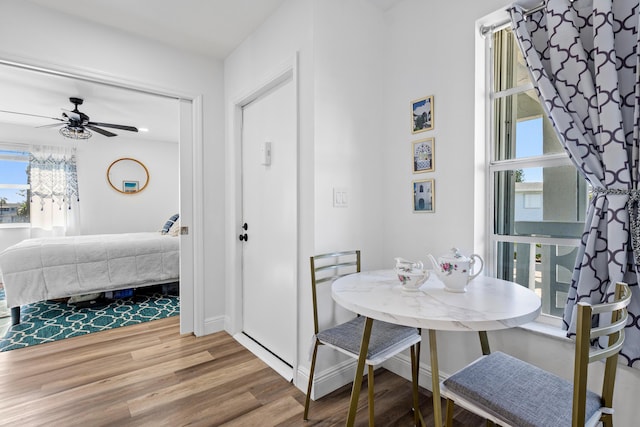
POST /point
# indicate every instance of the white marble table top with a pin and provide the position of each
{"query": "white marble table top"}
(488, 304)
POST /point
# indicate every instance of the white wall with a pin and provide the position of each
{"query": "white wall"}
(35, 34)
(349, 127)
(104, 210)
(430, 51)
(349, 138)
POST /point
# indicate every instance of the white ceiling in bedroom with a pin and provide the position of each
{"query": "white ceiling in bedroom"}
(38, 93)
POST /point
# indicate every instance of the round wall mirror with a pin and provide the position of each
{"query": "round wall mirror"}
(128, 176)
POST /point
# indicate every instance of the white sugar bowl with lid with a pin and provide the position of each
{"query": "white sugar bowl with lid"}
(454, 269)
(411, 274)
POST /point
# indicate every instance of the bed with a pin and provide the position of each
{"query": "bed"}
(59, 267)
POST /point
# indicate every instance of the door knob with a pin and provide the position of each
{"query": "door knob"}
(243, 237)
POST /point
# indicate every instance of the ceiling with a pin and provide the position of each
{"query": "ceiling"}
(212, 28)
(208, 27)
(41, 94)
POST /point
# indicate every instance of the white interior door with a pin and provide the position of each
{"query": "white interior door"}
(269, 206)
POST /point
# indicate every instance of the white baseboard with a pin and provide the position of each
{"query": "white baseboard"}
(401, 365)
(214, 324)
(327, 380)
(276, 364)
(337, 376)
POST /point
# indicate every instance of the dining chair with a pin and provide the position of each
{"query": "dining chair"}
(387, 339)
(511, 392)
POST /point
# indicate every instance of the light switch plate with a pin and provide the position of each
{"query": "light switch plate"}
(265, 153)
(340, 197)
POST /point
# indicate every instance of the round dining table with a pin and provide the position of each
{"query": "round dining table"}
(488, 304)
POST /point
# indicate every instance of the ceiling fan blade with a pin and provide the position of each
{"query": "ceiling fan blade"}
(33, 115)
(50, 126)
(109, 125)
(100, 131)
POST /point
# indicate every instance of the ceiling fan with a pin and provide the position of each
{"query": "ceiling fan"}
(75, 124)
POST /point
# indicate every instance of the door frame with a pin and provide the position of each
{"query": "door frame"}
(233, 323)
(191, 189)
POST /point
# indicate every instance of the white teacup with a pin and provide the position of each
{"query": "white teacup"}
(411, 274)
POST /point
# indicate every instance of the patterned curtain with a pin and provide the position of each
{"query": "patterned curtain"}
(54, 191)
(582, 56)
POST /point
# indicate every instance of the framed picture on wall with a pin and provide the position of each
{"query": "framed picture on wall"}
(424, 195)
(422, 114)
(130, 186)
(423, 155)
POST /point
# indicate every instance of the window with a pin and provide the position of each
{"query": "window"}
(538, 199)
(14, 187)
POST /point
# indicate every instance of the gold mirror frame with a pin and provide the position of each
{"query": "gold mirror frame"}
(146, 171)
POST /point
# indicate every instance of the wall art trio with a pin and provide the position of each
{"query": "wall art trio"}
(423, 154)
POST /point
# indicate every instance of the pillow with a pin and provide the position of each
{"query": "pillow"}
(175, 229)
(169, 223)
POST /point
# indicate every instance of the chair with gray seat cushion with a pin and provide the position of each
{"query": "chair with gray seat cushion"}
(387, 339)
(511, 392)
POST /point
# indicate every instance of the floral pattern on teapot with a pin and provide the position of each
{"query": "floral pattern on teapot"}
(449, 268)
(454, 269)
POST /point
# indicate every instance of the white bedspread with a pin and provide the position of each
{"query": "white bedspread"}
(57, 267)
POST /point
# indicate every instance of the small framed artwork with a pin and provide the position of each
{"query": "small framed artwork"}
(130, 186)
(424, 195)
(423, 155)
(422, 114)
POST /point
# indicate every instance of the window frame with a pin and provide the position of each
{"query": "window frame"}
(27, 186)
(490, 95)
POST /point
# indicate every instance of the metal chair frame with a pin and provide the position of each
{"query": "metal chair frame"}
(326, 268)
(609, 347)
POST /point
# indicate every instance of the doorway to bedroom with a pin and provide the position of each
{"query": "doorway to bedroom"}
(110, 203)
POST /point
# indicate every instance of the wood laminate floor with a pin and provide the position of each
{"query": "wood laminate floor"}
(150, 375)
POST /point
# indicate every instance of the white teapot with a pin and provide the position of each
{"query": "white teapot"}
(454, 269)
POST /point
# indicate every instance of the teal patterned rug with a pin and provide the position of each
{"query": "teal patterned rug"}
(49, 321)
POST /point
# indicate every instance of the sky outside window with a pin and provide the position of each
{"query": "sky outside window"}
(13, 172)
(528, 144)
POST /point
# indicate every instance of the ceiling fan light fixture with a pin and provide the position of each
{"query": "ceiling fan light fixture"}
(75, 133)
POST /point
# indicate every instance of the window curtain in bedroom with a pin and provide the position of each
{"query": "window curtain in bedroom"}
(583, 58)
(54, 192)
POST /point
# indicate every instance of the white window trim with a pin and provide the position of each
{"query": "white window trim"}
(16, 186)
(510, 91)
(15, 225)
(484, 241)
(20, 148)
